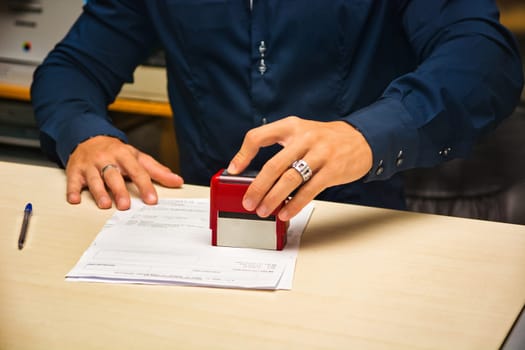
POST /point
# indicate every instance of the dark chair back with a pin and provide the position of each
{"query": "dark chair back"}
(489, 185)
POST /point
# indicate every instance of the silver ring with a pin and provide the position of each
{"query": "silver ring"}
(303, 169)
(106, 167)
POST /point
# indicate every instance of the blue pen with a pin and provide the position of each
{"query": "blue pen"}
(25, 222)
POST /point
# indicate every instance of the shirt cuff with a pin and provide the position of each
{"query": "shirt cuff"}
(82, 128)
(391, 134)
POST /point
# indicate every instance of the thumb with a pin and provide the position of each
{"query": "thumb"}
(254, 139)
(238, 163)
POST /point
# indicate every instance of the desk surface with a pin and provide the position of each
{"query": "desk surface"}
(366, 278)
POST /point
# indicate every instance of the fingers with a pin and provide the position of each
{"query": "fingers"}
(279, 192)
(266, 135)
(272, 171)
(116, 160)
(97, 187)
(96, 183)
(335, 151)
(115, 183)
(75, 184)
(275, 181)
(139, 176)
(146, 169)
(160, 173)
(304, 195)
(290, 180)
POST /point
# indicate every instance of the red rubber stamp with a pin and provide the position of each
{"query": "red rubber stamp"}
(234, 226)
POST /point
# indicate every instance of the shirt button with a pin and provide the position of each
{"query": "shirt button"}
(262, 48)
(262, 67)
(262, 51)
(264, 121)
(445, 152)
(399, 159)
(380, 169)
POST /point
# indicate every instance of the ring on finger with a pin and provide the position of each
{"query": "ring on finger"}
(303, 169)
(106, 167)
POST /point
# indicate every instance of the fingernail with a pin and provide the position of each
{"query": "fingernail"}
(177, 179)
(72, 198)
(122, 204)
(103, 202)
(283, 215)
(247, 203)
(151, 198)
(232, 169)
(262, 211)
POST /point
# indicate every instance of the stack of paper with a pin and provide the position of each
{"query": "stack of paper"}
(170, 243)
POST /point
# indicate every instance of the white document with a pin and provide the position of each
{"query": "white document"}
(170, 243)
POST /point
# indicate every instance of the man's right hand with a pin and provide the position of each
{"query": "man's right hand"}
(85, 164)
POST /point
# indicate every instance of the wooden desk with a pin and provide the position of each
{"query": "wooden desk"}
(366, 278)
(125, 105)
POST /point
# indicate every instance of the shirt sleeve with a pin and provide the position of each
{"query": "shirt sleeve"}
(83, 74)
(469, 77)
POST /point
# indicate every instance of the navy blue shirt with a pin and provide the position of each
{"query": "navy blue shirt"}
(422, 80)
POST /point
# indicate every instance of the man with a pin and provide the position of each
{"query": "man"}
(331, 99)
